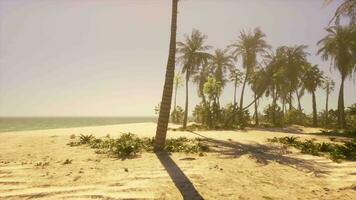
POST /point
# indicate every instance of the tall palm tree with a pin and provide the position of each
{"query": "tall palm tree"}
(294, 58)
(339, 46)
(328, 86)
(249, 45)
(312, 79)
(166, 101)
(193, 54)
(178, 82)
(220, 62)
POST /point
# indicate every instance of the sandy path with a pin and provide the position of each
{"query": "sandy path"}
(245, 167)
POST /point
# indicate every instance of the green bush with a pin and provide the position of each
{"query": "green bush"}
(273, 114)
(129, 145)
(296, 117)
(177, 115)
(334, 151)
(85, 139)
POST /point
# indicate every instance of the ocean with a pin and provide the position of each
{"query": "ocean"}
(8, 124)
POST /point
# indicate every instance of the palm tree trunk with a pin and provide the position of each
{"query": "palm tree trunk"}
(242, 93)
(327, 107)
(175, 97)
(166, 101)
(235, 88)
(290, 101)
(186, 100)
(274, 106)
(298, 98)
(256, 112)
(315, 120)
(341, 107)
(290, 96)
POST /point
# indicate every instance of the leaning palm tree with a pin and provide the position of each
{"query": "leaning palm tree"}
(339, 47)
(312, 79)
(249, 46)
(193, 54)
(346, 9)
(328, 86)
(166, 101)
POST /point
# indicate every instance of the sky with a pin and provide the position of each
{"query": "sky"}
(108, 57)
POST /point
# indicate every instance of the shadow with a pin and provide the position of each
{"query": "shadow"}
(180, 180)
(262, 154)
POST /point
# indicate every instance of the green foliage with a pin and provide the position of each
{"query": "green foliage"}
(274, 115)
(335, 151)
(85, 139)
(331, 121)
(177, 115)
(295, 116)
(213, 117)
(129, 145)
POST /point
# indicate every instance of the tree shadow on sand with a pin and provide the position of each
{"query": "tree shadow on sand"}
(263, 154)
(180, 180)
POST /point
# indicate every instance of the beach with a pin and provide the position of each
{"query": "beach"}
(33, 166)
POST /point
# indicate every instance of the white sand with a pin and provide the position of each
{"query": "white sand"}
(246, 167)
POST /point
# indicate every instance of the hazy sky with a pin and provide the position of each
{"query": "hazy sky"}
(108, 57)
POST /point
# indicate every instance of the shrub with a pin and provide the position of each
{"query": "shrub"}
(273, 114)
(129, 145)
(85, 139)
(177, 115)
(296, 117)
(334, 151)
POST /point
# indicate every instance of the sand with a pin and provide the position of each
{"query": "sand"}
(246, 166)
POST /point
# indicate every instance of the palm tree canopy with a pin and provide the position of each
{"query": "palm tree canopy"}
(346, 9)
(248, 46)
(328, 84)
(340, 47)
(220, 63)
(312, 77)
(193, 51)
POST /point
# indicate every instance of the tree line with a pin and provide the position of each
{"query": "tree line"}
(283, 74)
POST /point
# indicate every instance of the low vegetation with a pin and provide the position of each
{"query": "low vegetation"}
(336, 152)
(129, 145)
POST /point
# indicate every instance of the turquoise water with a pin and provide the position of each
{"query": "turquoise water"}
(37, 123)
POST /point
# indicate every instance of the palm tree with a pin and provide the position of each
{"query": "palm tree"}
(312, 79)
(220, 63)
(259, 82)
(249, 46)
(328, 86)
(192, 56)
(339, 46)
(200, 77)
(178, 82)
(235, 77)
(294, 59)
(346, 9)
(166, 101)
